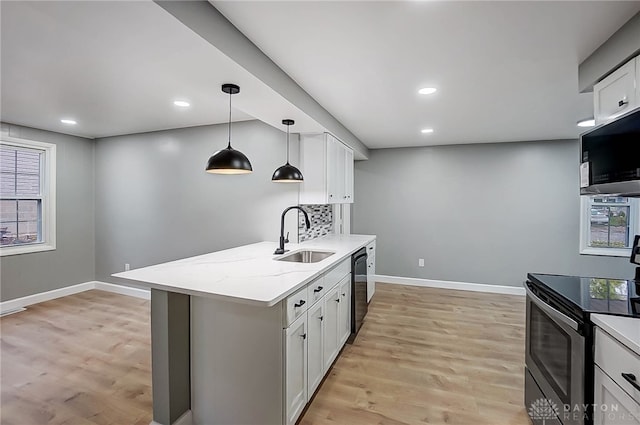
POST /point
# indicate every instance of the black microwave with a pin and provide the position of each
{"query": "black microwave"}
(610, 158)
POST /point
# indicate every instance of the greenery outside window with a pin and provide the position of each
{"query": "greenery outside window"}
(27, 196)
(608, 224)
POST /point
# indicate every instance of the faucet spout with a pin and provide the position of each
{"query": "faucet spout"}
(281, 249)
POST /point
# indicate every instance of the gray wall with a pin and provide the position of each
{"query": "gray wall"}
(155, 203)
(476, 213)
(72, 261)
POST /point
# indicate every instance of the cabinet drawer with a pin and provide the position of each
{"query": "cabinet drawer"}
(335, 275)
(296, 305)
(615, 359)
(616, 94)
(316, 290)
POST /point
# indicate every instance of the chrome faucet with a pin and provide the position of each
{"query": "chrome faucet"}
(284, 240)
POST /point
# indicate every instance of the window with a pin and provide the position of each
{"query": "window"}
(608, 224)
(27, 196)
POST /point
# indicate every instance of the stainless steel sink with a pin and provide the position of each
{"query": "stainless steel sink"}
(306, 256)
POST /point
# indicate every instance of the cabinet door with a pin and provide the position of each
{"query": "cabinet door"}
(296, 369)
(616, 94)
(612, 404)
(335, 171)
(332, 303)
(348, 175)
(371, 271)
(315, 349)
(344, 315)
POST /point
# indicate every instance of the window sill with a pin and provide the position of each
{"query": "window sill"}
(606, 252)
(26, 249)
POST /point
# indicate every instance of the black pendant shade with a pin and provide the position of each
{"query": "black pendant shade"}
(229, 160)
(287, 173)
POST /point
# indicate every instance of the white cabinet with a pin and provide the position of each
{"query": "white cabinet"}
(617, 399)
(348, 174)
(295, 369)
(613, 405)
(315, 347)
(618, 93)
(331, 348)
(327, 166)
(371, 270)
(344, 311)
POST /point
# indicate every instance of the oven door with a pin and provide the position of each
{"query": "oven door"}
(555, 357)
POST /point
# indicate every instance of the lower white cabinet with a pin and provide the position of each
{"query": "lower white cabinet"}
(613, 406)
(371, 270)
(296, 347)
(332, 309)
(315, 347)
(617, 368)
(344, 311)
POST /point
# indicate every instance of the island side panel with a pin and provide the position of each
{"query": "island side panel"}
(236, 363)
(170, 345)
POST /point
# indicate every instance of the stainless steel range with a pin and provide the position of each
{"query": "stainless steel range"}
(559, 342)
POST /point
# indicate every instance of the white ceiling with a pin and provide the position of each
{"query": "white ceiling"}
(116, 67)
(505, 71)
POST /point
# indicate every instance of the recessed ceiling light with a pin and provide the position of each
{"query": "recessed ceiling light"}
(426, 130)
(589, 122)
(181, 103)
(427, 90)
(68, 121)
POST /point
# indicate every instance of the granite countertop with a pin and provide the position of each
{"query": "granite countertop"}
(624, 329)
(246, 274)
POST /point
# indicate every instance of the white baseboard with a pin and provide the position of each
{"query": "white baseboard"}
(7, 307)
(185, 419)
(123, 290)
(445, 284)
(19, 303)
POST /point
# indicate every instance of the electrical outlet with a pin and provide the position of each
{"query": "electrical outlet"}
(420, 262)
(127, 267)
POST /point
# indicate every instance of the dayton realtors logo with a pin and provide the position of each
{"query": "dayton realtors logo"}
(544, 409)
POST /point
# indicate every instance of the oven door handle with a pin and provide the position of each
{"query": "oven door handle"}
(552, 311)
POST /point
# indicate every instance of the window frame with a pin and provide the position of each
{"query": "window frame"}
(48, 196)
(585, 228)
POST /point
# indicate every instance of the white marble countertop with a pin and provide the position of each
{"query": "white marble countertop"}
(246, 274)
(624, 329)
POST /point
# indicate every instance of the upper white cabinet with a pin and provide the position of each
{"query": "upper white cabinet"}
(618, 93)
(327, 166)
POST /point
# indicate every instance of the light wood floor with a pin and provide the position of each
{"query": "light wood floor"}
(429, 356)
(82, 360)
(423, 356)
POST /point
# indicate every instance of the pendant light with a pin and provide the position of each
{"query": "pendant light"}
(287, 173)
(229, 160)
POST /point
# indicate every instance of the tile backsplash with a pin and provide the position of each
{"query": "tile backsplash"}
(321, 218)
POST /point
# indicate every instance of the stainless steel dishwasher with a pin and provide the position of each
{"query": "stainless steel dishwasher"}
(358, 291)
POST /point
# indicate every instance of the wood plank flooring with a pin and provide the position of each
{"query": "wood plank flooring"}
(83, 359)
(423, 356)
(429, 356)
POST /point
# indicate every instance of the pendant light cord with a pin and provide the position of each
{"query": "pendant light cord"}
(229, 146)
(287, 144)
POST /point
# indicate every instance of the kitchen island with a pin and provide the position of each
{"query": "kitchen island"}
(241, 337)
